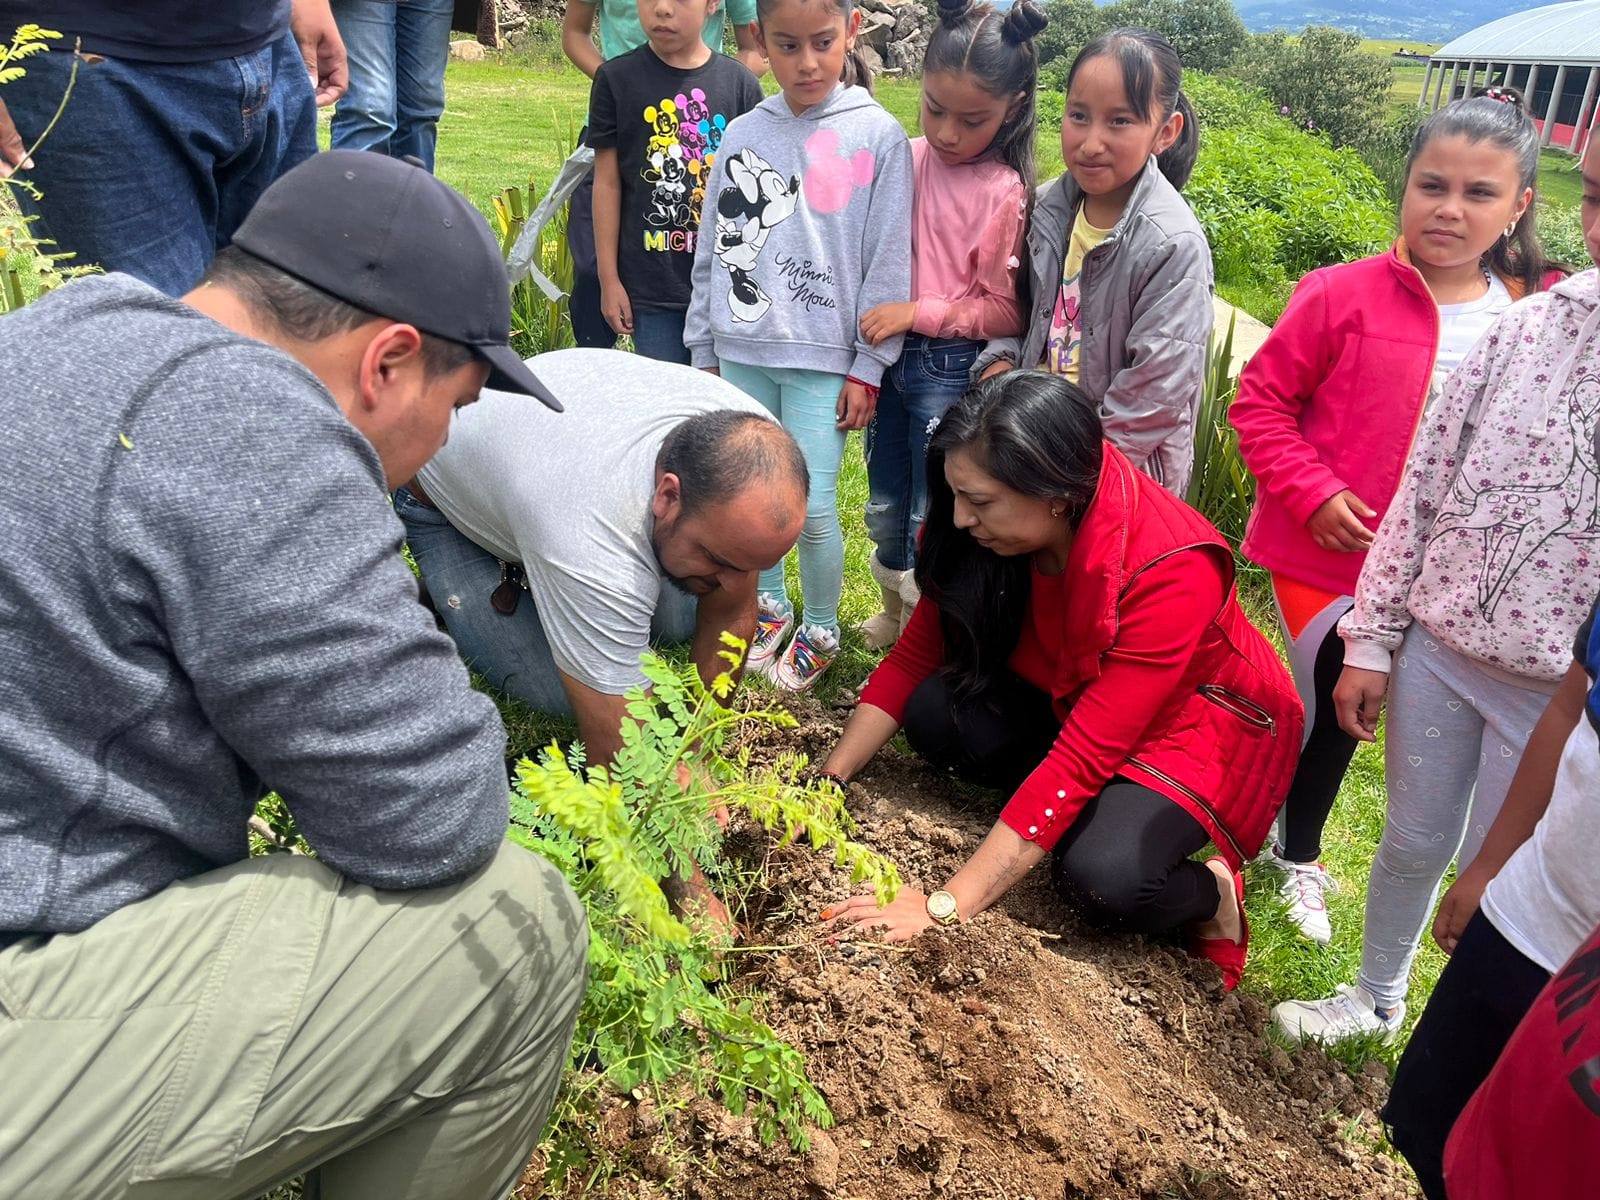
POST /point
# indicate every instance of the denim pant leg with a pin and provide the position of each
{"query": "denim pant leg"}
(421, 51)
(193, 144)
(590, 328)
(807, 403)
(510, 651)
(364, 118)
(658, 334)
(930, 376)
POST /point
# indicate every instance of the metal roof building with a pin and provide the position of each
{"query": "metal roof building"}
(1552, 54)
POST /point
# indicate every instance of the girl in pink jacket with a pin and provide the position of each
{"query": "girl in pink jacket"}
(1328, 407)
(972, 175)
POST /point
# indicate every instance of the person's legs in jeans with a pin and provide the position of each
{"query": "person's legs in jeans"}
(807, 403)
(273, 1017)
(932, 374)
(421, 51)
(589, 326)
(193, 145)
(364, 117)
(1486, 989)
(1441, 758)
(658, 334)
(510, 650)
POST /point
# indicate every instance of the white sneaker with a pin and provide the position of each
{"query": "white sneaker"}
(1350, 1013)
(1304, 888)
(774, 620)
(808, 656)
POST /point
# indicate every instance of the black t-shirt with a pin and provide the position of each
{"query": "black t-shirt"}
(164, 31)
(665, 124)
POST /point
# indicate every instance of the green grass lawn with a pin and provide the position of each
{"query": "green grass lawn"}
(502, 126)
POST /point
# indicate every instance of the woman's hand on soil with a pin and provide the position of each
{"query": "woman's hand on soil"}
(856, 405)
(616, 308)
(1337, 524)
(1458, 905)
(1358, 699)
(998, 367)
(888, 320)
(898, 921)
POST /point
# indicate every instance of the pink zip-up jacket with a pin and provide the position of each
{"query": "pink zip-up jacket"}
(1332, 401)
(967, 223)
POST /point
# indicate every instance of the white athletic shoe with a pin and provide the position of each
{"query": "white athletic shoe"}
(1351, 1012)
(774, 620)
(1304, 888)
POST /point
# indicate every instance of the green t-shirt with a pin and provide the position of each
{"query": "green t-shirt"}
(621, 32)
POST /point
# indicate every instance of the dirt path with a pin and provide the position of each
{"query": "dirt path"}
(1019, 1056)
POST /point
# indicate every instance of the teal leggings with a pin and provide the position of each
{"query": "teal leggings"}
(807, 403)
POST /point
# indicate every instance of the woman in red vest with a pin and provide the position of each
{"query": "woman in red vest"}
(1079, 645)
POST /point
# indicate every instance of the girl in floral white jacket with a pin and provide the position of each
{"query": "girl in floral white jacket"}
(1465, 613)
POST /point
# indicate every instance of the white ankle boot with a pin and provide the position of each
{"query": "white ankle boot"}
(881, 631)
(909, 595)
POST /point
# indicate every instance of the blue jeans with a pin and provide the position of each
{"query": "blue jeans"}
(930, 376)
(398, 50)
(658, 334)
(807, 402)
(153, 166)
(510, 650)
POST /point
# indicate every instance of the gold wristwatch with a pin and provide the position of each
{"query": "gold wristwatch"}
(942, 908)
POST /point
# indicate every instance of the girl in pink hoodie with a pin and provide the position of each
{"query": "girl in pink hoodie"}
(1327, 409)
(972, 176)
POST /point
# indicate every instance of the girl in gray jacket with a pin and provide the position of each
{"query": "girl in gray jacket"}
(1119, 270)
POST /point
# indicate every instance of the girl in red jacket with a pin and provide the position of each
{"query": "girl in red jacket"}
(1079, 644)
(1327, 408)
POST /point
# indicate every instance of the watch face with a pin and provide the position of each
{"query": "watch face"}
(941, 905)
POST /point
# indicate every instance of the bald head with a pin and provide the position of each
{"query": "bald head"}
(719, 456)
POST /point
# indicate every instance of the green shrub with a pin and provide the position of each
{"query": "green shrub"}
(1324, 78)
(1561, 232)
(1386, 153)
(1207, 34)
(1276, 201)
(1221, 488)
(652, 1012)
(1072, 23)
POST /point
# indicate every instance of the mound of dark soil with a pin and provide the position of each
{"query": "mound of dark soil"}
(1020, 1056)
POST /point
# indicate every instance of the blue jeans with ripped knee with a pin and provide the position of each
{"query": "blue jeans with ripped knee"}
(930, 376)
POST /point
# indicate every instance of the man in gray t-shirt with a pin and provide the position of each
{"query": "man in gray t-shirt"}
(646, 508)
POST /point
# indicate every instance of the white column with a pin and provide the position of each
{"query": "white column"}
(1554, 106)
(1427, 78)
(1455, 72)
(1527, 87)
(1488, 73)
(1438, 89)
(1585, 118)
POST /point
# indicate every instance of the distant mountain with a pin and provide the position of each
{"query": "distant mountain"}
(1378, 18)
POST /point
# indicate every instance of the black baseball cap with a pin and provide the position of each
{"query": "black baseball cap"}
(386, 236)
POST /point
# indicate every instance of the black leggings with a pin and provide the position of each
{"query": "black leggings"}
(1323, 761)
(1486, 989)
(1124, 862)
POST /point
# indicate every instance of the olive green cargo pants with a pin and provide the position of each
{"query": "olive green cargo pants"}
(272, 1018)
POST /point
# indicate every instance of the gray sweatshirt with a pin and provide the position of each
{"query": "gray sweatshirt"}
(811, 227)
(202, 596)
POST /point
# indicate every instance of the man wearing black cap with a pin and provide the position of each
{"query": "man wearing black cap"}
(202, 597)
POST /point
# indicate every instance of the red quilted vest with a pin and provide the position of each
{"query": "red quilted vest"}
(1226, 744)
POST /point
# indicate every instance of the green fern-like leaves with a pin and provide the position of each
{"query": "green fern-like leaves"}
(654, 1011)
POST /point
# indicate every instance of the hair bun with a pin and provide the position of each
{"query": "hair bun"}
(1505, 95)
(1023, 22)
(954, 12)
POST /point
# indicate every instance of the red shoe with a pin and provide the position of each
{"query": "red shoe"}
(1225, 952)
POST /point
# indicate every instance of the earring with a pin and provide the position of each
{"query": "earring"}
(1055, 510)
(1510, 229)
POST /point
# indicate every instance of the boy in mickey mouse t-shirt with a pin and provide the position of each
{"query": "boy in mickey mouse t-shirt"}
(656, 116)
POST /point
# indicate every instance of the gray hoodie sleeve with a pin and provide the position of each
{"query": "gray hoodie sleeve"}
(1166, 347)
(697, 320)
(885, 255)
(273, 558)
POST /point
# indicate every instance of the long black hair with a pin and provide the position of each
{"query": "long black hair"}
(1039, 435)
(997, 50)
(1498, 116)
(1152, 76)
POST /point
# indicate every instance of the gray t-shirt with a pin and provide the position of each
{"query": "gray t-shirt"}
(202, 596)
(568, 496)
